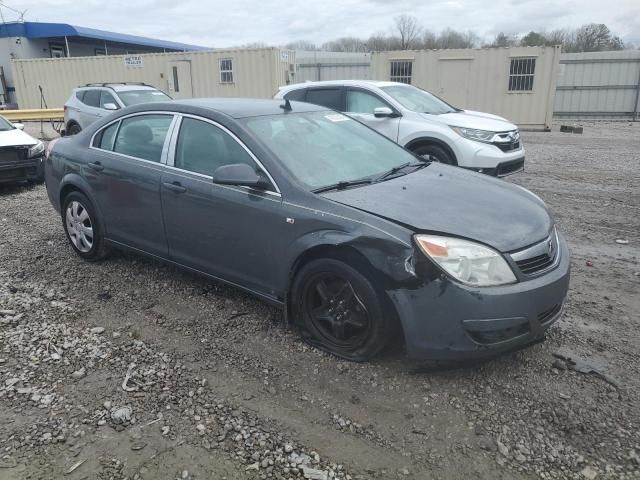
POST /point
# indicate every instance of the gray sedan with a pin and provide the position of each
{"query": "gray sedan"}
(353, 236)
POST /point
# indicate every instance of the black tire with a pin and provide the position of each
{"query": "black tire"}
(92, 247)
(73, 128)
(437, 154)
(360, 343)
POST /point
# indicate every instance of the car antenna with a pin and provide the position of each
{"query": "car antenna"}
(286, 106)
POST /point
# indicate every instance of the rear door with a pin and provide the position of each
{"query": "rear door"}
(90, 110)
(361, 103)
(126, 166)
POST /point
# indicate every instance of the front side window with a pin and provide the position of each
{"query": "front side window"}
(143, 136)
(359, 101)
(521, 73)
(203, 147)
(401, 71)
(226, 70)
(325, 97)
(104, 139)
(324, 148)
(134, 97)
(418, 100)
(106, 97)
(92, 98)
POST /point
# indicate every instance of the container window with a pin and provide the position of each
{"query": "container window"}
(176, 85)
(521, 73)
(401, 71)
(226, 70)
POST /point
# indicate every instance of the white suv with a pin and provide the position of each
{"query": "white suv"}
(95, 100)
(421, 122)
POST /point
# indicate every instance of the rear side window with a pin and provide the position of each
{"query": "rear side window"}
(326, 97)
(104, 139)
(203, 147)
(80, 95)
(143, 136)
(92, 98)
(296, 95)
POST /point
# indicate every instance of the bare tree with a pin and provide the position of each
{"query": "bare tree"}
(408, 29)
(449, 38)
(345, 44)
(302, 45)
(503, 40)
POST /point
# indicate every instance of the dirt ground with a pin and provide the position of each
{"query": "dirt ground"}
(129, 368)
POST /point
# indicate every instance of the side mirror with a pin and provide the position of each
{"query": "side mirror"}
(382, 112)
(110, 106)
(19, 126)
(239, 174)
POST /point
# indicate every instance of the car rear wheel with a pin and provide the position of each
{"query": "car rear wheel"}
(82, 227)
(340, 310)
(436, 154)
(74, 128)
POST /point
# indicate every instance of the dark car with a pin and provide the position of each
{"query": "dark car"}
(352, 235)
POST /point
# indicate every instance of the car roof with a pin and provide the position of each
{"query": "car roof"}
(352, 83)
(246, 107)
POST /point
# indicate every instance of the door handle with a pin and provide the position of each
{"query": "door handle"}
(96, 166)
(174, 187)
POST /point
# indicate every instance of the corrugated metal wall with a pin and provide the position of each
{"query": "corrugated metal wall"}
(256, 73)
(314, 66)
(598, 85)
(478, 79)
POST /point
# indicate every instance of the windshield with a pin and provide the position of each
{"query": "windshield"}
(418, 100)
(5, 125)
(133, 97)
(324, 148)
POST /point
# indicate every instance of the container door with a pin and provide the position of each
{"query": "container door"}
(179, 79)
(454, 81)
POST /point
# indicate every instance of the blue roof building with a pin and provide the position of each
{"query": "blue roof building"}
(41, 39)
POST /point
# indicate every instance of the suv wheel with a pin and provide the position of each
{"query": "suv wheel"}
(74, 128)
(437, 154)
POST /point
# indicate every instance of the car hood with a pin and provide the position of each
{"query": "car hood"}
(479, 120)
(10, 138)
(448, 200)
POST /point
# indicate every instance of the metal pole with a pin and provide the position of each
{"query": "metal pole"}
(106, 52)
(66, 42)
(635, 107)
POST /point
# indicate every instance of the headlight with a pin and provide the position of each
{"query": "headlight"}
(36, 150)
(474, 134)
(468, 262)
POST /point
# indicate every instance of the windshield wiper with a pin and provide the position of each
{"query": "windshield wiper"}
(394, 170)
(342, 185)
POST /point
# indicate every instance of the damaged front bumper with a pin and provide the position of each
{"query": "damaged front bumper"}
(22, 170)
(445, 320)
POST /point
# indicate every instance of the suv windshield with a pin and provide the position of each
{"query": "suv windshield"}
(326, 148)
(133, 97)
(418, 100)
(5, 125)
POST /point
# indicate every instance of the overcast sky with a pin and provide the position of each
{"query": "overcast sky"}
(222, 23)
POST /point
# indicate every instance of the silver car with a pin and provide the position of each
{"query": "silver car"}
(96, 100)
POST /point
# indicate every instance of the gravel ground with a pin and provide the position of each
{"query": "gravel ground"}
(133, 369)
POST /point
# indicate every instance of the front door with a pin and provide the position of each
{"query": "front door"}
(361, 105)
(215, 228)
(125, 173)
(179, 77)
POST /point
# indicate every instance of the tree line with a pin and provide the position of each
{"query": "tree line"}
(407, 33)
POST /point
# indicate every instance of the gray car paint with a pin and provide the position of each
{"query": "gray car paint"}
(256, 241)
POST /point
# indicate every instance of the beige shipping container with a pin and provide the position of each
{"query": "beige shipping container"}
(517, 83)
(212, 73)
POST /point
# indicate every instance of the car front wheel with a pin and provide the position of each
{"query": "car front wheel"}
(340, 310)
(82, 228)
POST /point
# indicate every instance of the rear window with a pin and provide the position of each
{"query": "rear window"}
(296, 95)
(325, 97)
(92, 98)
